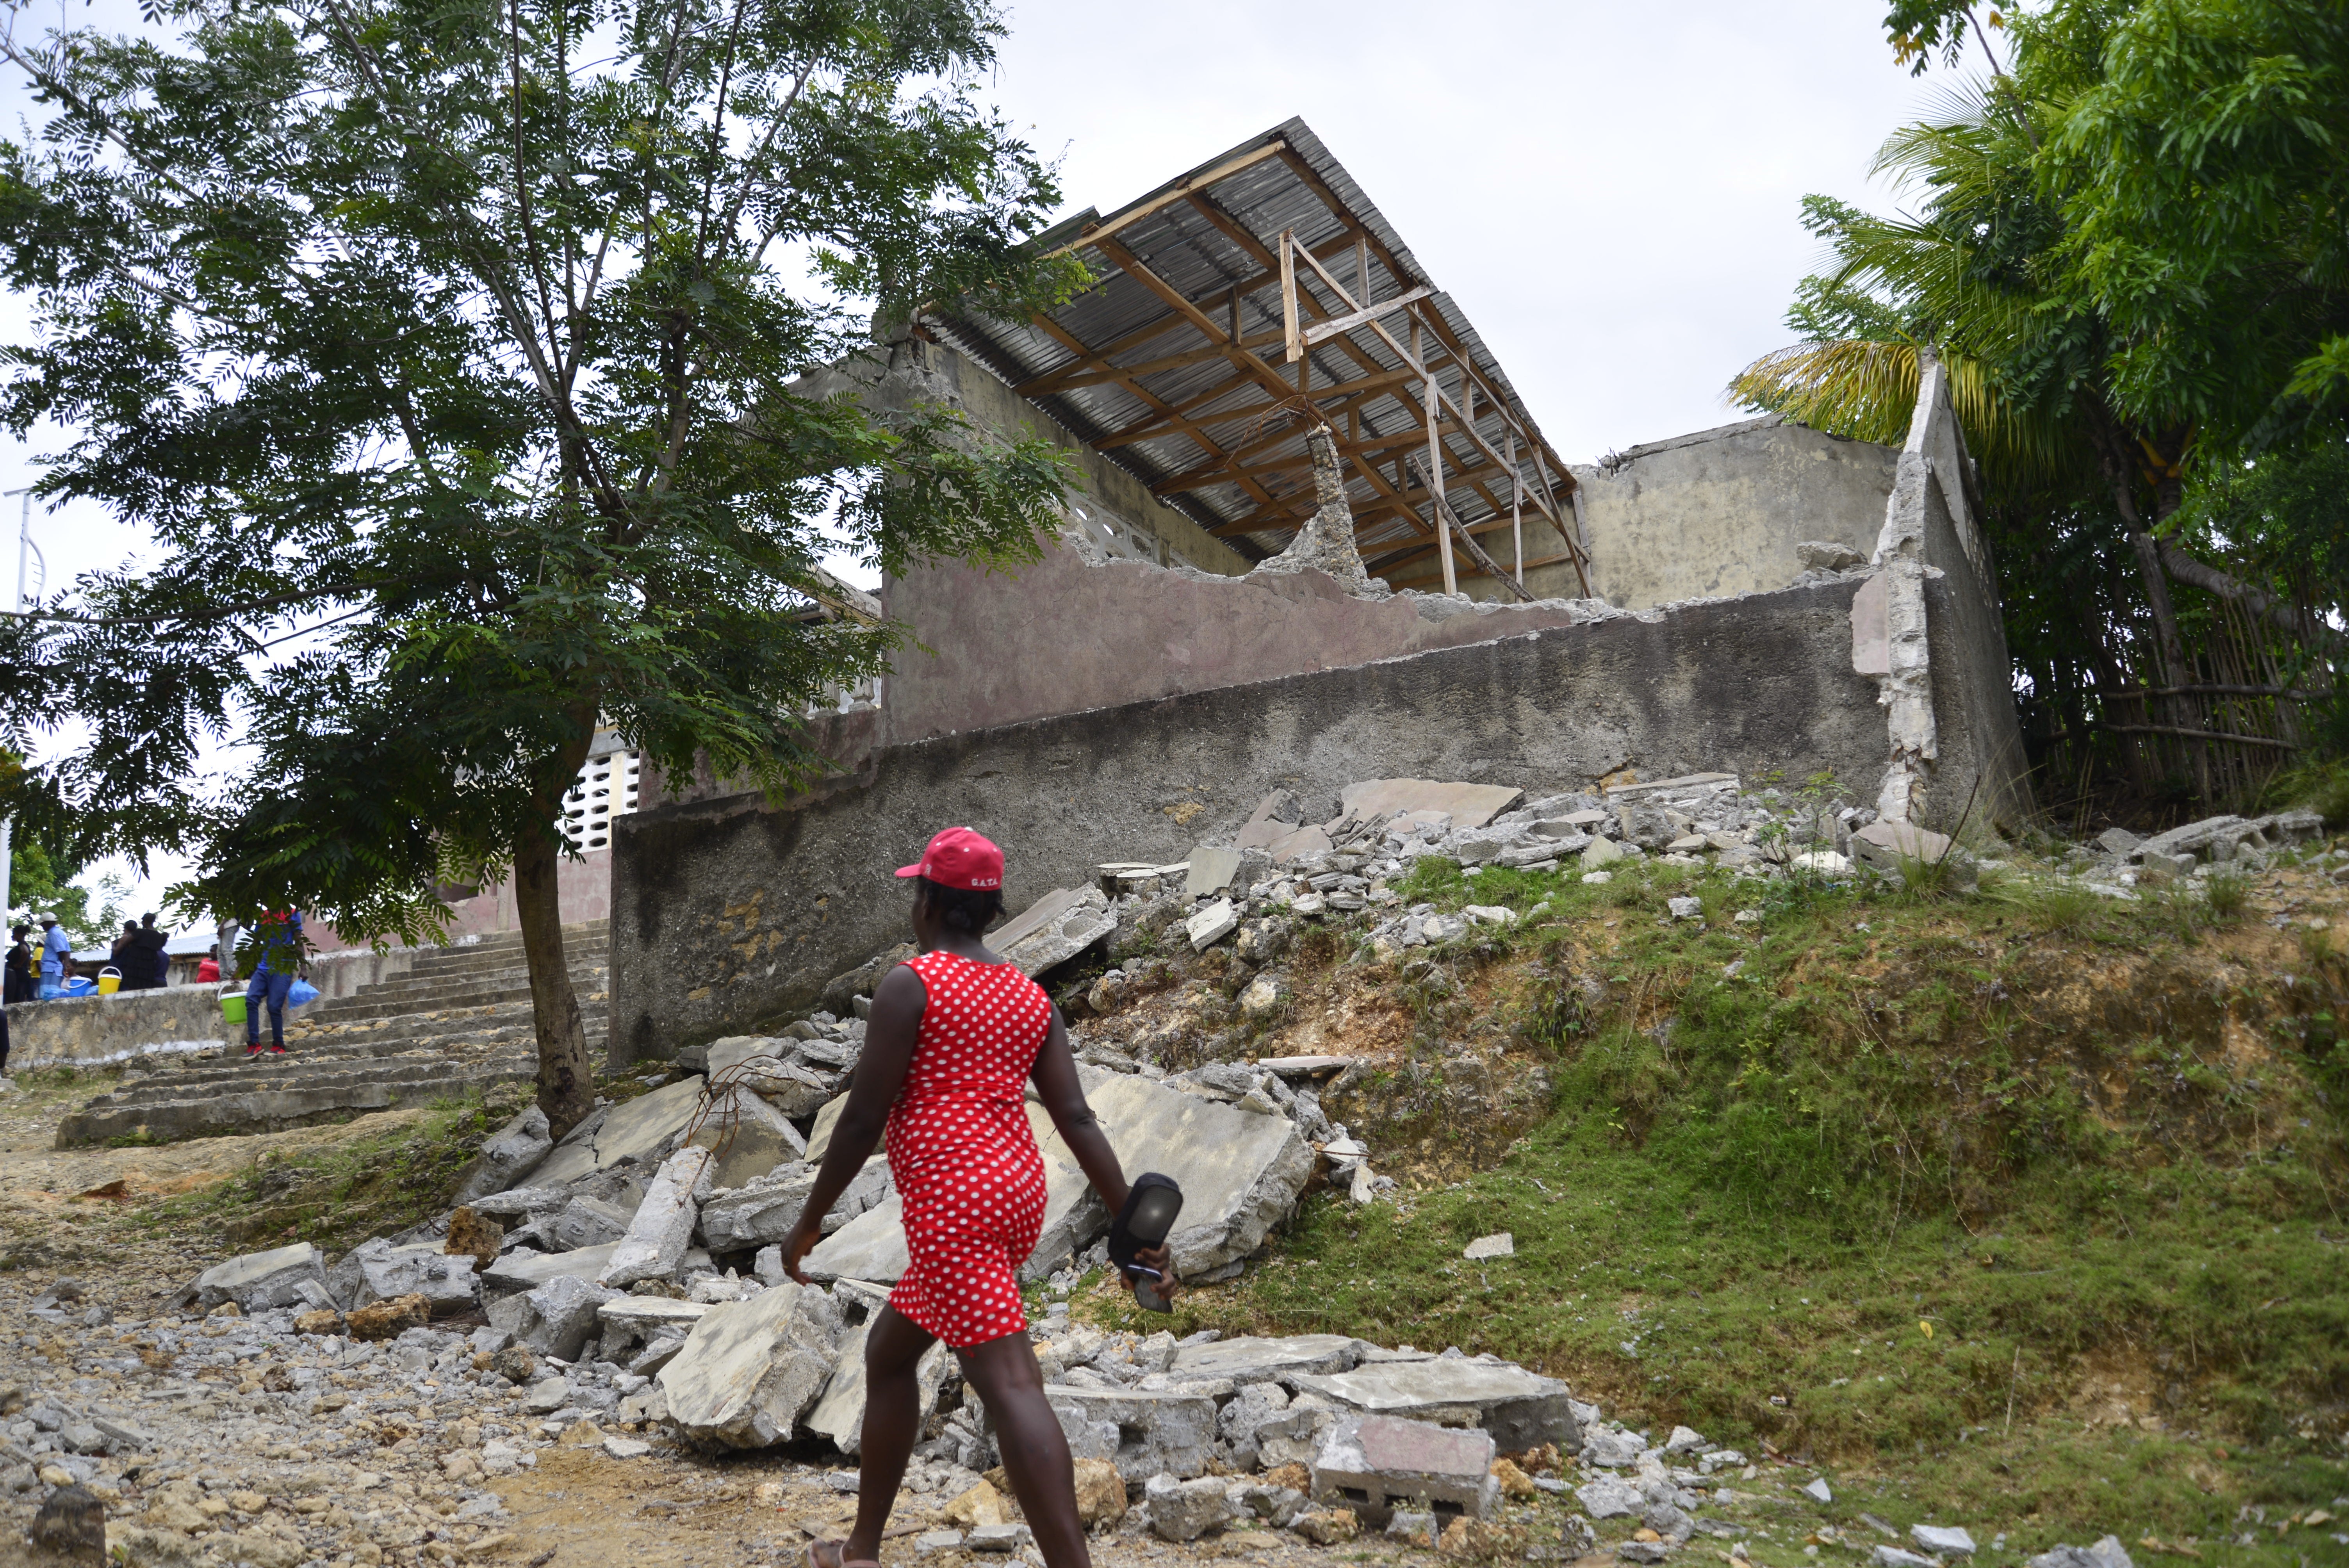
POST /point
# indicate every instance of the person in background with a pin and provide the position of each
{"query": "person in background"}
(277, 943)
(18, 984)
(124, 956)
(145, 964)
(56, 947)
(208, 971)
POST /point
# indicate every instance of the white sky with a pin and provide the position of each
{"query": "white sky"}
(1609, 191)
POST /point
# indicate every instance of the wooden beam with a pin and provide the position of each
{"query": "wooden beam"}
(1205, 441)
(1133, 264)
(1400, 583)
(1167, 198)
(1368, 312)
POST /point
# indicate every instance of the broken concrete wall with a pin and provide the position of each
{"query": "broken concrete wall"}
(1945, 678)
(1065, 634)
(728, 910)
(1720, 511)
(1119, 512)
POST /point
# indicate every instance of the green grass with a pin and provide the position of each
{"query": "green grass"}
(1777, 1152)
(341, 1194)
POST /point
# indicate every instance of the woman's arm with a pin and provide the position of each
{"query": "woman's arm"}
(889, 1035)
(1063, 1094)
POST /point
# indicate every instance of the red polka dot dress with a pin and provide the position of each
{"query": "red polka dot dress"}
(961, 1154)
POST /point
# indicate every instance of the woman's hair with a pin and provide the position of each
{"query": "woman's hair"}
(962, 908)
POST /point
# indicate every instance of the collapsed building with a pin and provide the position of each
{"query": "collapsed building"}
(1322, 540)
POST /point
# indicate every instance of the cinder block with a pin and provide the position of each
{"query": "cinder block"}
(1377, 1464)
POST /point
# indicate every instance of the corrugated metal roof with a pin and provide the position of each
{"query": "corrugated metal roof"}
(1172, 419)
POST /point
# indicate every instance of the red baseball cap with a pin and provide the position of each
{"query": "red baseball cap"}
(959, 858)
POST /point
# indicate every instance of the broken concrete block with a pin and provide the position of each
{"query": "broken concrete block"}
(523, 1269)
(1211, 924)
(760, 1212)
(634, 1130)
(1184, 1510)
(1144, 1434)
(1469, 805)
(1500, 1244)
(2107, 1553)
(1250, 1359)
(1819, 1490)
(1240, 1172)
(1521, 1409)
(750, 1136)
(1942, 1539)
(1883, 847)
(662, 1231)
(750, 1369)
(1285, 847)
(1684, 1441)
(628, 1320)
(1211, 871)
(839, 1412)
(556, 1319)
(765, 1066)
(1375, 1464)
(1600, 853)
(587, 1222)
(448, 1282)
(1609, 1498)
(259, 1281)
(1054, 929)
(507, 1157)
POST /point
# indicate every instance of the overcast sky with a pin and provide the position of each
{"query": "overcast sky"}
(1609, 191)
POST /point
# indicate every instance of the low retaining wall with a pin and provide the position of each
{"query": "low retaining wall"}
(728, 908)
(95, 1031)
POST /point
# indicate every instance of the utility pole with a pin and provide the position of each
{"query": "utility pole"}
(25, 552)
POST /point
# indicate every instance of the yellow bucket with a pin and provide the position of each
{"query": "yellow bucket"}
(109, 981)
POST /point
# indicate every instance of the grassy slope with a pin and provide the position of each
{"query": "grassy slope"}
(1918, 1163)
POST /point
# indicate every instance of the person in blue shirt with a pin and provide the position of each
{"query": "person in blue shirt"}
(277, 939)
(55, 947)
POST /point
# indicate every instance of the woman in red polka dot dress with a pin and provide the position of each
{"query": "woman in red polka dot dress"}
(954, 1037)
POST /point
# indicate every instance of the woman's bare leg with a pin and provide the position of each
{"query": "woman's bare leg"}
(893, 1348)
(1035, 1450)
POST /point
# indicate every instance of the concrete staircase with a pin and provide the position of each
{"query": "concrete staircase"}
(458, 1018)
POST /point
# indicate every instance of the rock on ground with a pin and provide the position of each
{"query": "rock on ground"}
(750, 1369)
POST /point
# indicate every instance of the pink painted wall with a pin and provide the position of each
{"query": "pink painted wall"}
(1064, 636)
(583, 889)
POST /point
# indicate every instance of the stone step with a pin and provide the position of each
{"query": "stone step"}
(294, 1103)
(458, 1018)
(451, 964)
(393, 1000)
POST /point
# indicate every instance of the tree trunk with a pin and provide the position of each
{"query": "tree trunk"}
(566, 1076)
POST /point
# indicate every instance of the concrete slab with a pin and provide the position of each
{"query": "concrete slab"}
(1211, 871)
(1689, 781)
(1470, 805)
(1250, 1359)
(1145, 1435)
(750, 1136)
(761, 1212)
(282, 1276)
(839, 1412)
(633, 1129)
(750, 1368)
(662, 1231)
(1055, 929)
(1520, 1408)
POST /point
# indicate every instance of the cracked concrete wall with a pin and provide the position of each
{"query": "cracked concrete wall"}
(1944, 678)
(730, 911)
(1720, 511)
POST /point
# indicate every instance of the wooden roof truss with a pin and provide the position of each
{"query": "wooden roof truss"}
(1258, 290)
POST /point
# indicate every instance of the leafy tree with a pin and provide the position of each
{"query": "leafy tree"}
(448, 353)
(2125, 243)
